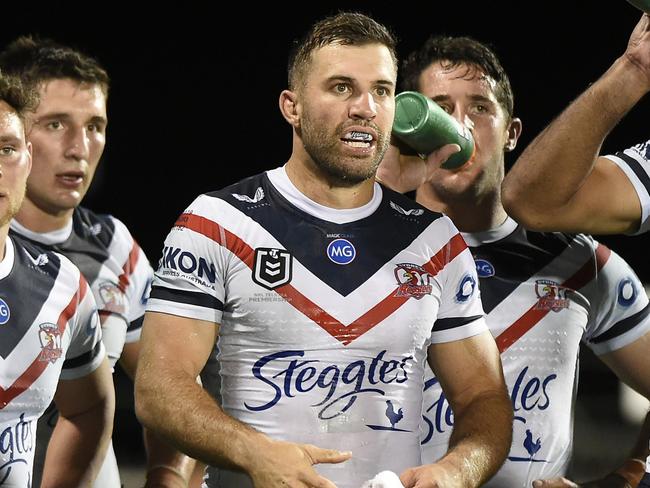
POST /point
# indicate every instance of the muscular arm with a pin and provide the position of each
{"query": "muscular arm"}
(471, 376)
(78, 445)
(170, 402)
(166, 467)
(559, 182)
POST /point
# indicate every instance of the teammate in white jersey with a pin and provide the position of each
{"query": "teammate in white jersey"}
(543, 293)
(50, 339)
(560, 182)
(327, 293)
(67, 131)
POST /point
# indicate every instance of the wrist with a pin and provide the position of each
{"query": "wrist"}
(632, 470)
(165, 476)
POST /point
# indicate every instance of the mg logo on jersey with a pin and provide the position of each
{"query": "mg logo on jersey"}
(551, 295)
(484, 268)
(272, 267)
(50, 337)
(5, 312)
(413, 280)
(341, 251)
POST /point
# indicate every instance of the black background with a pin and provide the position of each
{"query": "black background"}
(194, 98)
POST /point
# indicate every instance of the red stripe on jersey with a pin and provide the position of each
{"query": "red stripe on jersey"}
(344, 334)
(445, 255)
(527, 321)
(32, 373)
(129, 266)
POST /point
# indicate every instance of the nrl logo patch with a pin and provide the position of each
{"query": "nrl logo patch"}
(272, 268)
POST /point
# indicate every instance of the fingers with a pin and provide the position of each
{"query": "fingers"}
(408, 478)
(554, 483)
(318, 455)
(439, 156)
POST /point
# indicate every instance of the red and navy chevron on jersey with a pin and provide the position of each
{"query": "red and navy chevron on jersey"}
(325, 315)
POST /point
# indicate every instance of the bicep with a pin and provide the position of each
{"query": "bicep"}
(606, 203)
(76, 396)
(631, 364)
(173, 342)
(467, 368)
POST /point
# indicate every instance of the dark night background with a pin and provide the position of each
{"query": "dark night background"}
(193, 105)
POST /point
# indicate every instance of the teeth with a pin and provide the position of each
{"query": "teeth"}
(359, 136)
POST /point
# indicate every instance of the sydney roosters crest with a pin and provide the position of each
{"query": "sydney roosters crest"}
(50, 337)
(413, 280)
(551, 295)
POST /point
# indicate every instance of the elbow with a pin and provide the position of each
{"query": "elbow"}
(518, 206)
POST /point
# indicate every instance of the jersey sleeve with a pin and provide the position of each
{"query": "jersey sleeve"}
(620, 312)
(134, 282)
(635, 163)
(86, 350)
(189, 281)
(461, 312)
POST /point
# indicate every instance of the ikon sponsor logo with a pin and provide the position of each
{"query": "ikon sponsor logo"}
(178, 259)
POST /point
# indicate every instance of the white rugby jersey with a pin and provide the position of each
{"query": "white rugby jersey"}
(48, 330)
(635, 163)
(119, 275)
(325, 314)
(543, 293)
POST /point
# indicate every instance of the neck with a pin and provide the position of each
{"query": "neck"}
(38, 220)
(481, 214)
(4, 235)
(317, 186)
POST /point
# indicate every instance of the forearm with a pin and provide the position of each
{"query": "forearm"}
(77, 447)
(190, 420)
(555, 165)
(480, 440)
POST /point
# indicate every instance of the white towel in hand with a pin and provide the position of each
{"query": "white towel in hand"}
(385, 479)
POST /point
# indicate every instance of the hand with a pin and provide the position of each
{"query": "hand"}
(289, 465)
(404, 172)
(612, 480)
(430, 476)
(638, 47)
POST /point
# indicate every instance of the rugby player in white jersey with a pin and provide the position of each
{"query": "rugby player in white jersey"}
(50, 339)
(67, 130)
(543, 293)
(327, 294)
(560, 182)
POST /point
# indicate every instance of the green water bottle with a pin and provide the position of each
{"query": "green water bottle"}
(643, 5)
(424, 126)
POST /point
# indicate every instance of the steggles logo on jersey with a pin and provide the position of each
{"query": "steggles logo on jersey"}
(259, 195)
(626, 292)
(552, 296)
(272, 268)
(413, 280)
(465, 289)
(50, 337)
(287, 375)
(341, 251)
(112, 297)
(484, 268)
(530, 394)
(5, 312)
(415, 212)
(16, 441)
